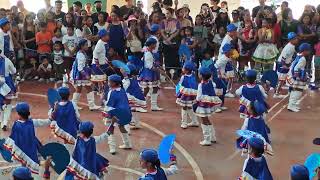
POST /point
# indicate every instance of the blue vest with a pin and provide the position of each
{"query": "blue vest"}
(258, 169)
(189, 82)
(259, 126)
(66, 118)
(134, 89)
(85, 154)
(252, 94)
(160, 175)
(208, 89)
(118, 100)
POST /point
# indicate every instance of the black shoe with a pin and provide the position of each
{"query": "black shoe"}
(4, 128)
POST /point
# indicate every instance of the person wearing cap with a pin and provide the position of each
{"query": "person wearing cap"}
(85, 162)
(22, 173)
(156, 34)
(284, 61)
(250, 92)
(299, 172)
(135, 95)
(186, 95)
(65, 118)
(100, 57)
(80, 76)
(22, 142)
(150, 75)
(206, 103)
(255, 166)
(116, 99)
(228, 38)
(298, 77)
(6, 43)
(150, 161)
(225, 68)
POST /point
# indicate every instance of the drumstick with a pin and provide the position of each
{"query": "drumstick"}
(165, 74)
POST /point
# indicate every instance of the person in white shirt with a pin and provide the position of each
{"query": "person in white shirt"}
(6, 43)
(284, 62)
(101, 24)
(58, 65)
(230, 36)
(69, 42)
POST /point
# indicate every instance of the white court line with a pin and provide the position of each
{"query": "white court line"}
(275, 105)
(189, 158)
(127, 170)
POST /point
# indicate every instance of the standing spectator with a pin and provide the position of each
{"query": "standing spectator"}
(57, 36)
(287, 24)
(222, 19)
(43, 40)
(68, 21)
(49, 8)
(21, 8)
(187, 13)
(259, 9)
(207, 16)
(58, 14)
(51, 23)
(224, 5)
(134, 38)
(215, 8)
(117, 36)
(284, 5)
(201, 35)
(125, 9)
(184, 22)
(306, 30)
(169, 32)
(69, 42)
(77, 6)
(83, 13)
(236, 18)
(101, 24)
(218, 38)
(2, 13)
(98, 7)
(89, 9)
(58, 66)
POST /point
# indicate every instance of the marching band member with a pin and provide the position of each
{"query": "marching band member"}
(149, 76)
(187, 94)
(6, 44)
(22, 142)
(80, 76)
(284, 61)
(298, 77)
(116, 99)
(249, 93)
(205, 106)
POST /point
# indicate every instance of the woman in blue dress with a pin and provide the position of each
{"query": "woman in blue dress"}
(149, 76)
(65, 116)
(207, 102)
(186, 96)
(116, 99)
(117, 36)
(85, 162)
(80, 76)
(149, 160)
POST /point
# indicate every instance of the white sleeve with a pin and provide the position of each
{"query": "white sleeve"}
(126, 83)
(81, 58)
(99, 48)
(245, 124)
(199, 92)
(239, 91)
(221, 63)
(79, 33)
(11, 69)
(301, 65)
(41, 122)
(64, 39)
(172, 170)
(181, 79)
(263, 92)
(148, 60)
(76, 110)
(101, 138)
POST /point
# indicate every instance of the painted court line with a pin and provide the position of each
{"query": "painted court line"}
(126, 170)
(189, 158)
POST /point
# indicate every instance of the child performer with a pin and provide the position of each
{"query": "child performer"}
(149, 76)
(65, 118)
(284, 62)
(7, 89)
(149, 160)
(224, 65)
(22, 142)
(249, 93)
(300, 172)
(6, 43)
(187, 94)
(116, 99)
(80, 76)
(255, 166)
(298, 77)
(206, 104)
(135, 95)
(85, 162)
(100, 54)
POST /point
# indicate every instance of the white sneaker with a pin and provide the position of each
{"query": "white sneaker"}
(193, 124)
(223, 108)
(140, 109)
(41, 80)
(293, 109)
(205, 143)
(279, 96)
(184, 126)
(22, 80)
(218, 110)
(229, 95)
(156, 108)
(36, 78)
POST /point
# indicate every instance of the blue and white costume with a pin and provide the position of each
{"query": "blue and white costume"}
(149, 76)
(66, 123)
(116, 99)
(255, 168)
(225, 68)
(85, 162)
(134, 93)
(284, 61)
(22, 142)
(100, 60)
(7, 88)
(249, 93)
(6, 43)
(80, 73)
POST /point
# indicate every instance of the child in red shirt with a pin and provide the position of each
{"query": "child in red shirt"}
(43, 39)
